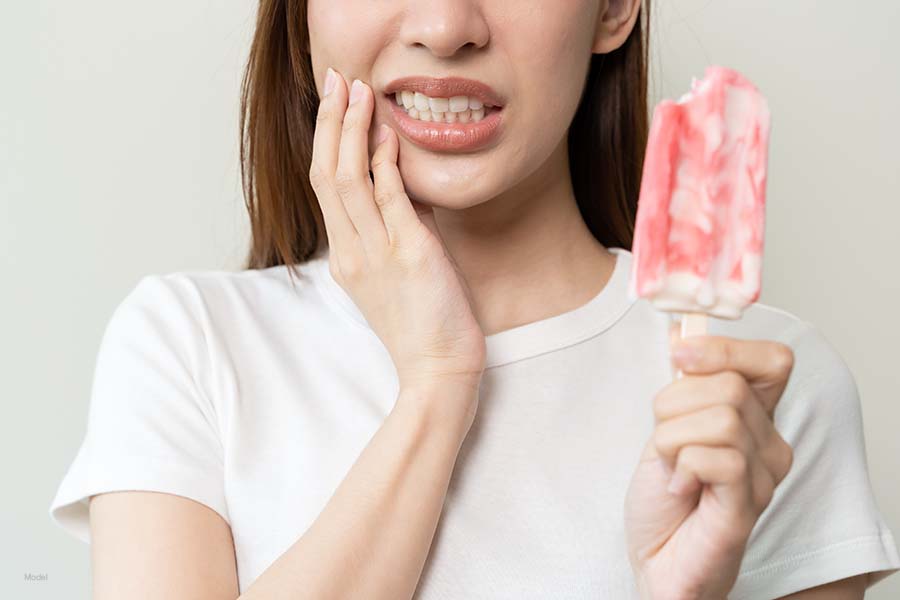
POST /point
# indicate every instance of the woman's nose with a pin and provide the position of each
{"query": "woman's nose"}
(444, 26)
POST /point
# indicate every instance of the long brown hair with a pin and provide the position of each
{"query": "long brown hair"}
(279, 103)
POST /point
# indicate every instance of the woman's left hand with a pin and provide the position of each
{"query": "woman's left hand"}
(715, 432)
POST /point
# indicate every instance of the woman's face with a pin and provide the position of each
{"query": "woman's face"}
(533, 53)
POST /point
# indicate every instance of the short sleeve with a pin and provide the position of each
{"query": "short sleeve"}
(823, 523)
(151, 425)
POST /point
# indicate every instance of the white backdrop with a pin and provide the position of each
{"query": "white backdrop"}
(118, 158)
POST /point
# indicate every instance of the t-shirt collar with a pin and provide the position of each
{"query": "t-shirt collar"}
(529, 339)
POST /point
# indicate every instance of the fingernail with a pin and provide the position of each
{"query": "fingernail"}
(330, 80)
(685, 354)
(382, 133)
(355, 90)
(677, 484)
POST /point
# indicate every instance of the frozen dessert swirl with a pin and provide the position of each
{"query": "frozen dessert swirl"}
(699, 232)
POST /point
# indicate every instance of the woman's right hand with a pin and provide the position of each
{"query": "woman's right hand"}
(387, 256)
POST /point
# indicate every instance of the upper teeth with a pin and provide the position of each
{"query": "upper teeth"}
(456, 104)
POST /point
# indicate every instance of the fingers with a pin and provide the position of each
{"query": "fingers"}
(744, 485)
(351, 179)
(719, 425)
(716, 423)
(693, 394)
(326, 141)
(339, 169)
(766, 365)
(390, 195)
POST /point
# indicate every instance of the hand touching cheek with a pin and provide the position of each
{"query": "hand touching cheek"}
(387, 253)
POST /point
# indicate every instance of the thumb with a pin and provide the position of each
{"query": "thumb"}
(426, 215)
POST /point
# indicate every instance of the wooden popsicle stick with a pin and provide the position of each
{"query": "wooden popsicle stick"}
(692, 324)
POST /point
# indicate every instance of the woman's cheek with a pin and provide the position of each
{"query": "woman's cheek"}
(349, 34)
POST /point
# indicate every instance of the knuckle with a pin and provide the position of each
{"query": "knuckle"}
(379, 159)
(787, 459)
(350, 267)
(723, 349)
(782, 360)
(663, 442)
(660, 405)
(688, 455)
(733, 388)
(764, 491)
(351, 122)
(383, 198)
(738, 466)
(730, 423)
(316, 175)
(344, 183)
(410, 249)
(325, 114)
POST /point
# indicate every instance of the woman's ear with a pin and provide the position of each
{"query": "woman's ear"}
(614, 24)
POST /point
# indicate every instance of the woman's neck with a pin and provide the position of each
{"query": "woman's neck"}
(527, 255)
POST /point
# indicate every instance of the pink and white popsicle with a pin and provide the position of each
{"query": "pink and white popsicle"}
(698, 239)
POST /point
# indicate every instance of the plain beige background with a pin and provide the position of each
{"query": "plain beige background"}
(118, 158)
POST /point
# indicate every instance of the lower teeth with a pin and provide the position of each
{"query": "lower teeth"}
(466, 116)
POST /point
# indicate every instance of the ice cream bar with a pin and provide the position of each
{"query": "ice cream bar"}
(698, 238)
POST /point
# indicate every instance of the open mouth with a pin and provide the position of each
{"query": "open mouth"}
(446, 115)
(460, 110)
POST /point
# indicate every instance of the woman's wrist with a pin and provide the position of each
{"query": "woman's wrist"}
(441, 406)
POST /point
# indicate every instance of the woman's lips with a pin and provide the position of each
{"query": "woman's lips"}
(447, 137)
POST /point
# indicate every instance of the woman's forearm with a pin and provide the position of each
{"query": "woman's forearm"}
(372, 538)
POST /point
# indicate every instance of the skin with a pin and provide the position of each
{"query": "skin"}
(508, 218)
(710, 469)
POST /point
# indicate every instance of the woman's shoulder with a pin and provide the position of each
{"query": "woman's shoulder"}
(762, 321)
(823, 522)
(207, 289)
(297, 279)
(201, 307)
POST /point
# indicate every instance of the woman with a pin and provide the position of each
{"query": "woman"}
(448, 394)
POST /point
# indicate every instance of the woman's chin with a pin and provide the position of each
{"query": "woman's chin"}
(445, 197)
(446, 187)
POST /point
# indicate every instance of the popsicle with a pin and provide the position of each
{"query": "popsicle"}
(698, 238)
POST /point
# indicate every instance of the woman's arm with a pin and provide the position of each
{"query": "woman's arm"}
(155, 545)
(370, 541)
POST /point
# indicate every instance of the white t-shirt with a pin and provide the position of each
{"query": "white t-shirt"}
(254, 397)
